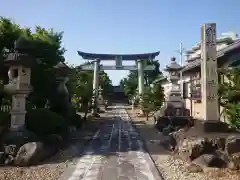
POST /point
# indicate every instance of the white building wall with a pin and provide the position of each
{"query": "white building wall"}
(196, 107)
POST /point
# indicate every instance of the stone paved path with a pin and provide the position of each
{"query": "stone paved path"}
(115, 153)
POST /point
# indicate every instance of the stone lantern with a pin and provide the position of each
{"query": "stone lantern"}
(173, 110)
(174, 94)
(100, 96)
(62, 71)
(61, 100)
(19, 73)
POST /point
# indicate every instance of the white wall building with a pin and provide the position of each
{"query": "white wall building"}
(228, 53)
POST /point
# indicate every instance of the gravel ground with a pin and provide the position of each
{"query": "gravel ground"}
(167, 165)
(170, 167)
(54, 168)
(47, 172)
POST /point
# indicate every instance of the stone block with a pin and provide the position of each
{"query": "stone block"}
(216, 126)
(209, 160)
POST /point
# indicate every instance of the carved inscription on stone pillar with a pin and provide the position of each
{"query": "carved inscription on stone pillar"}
(211, 35)
(211, 62)
(212, 86)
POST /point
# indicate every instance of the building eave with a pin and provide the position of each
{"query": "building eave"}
(220, 53)
(220, 40)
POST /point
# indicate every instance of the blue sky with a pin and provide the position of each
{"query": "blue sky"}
(125, 26)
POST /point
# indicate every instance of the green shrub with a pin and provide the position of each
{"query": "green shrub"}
(74, 118)
(233, 114)
(4, 118)
(45, 122)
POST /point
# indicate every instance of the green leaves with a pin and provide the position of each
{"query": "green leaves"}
(232, 112)
(229, 95)
(45, 48)
(105, 83)
(152, 99)
(130, 83)
(81, 85)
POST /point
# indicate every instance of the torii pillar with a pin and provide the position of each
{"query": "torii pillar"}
(140, 69)
(140, 77)
(95, 86)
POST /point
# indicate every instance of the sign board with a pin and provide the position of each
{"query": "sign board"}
(118, 61)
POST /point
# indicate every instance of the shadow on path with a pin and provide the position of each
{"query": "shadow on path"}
(117, 143)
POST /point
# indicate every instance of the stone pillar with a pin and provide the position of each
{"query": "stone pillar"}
(140, 80)
(18, 111)
(209, 76)
(140, 77)
(95, 85)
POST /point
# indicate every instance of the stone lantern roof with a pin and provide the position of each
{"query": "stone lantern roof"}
(20, 55)
(61, 69)
(174, 66)
(61, 65)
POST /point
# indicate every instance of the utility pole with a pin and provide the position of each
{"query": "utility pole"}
(181, 64)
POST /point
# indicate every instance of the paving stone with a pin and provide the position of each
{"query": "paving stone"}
(116, 153)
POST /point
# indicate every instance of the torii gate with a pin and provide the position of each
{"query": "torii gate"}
(118, 58)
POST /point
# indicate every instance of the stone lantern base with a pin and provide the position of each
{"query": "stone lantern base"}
(17, 120)
(18, 111)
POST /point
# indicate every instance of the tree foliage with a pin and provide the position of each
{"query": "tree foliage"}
(45, 48)
(229, 95)
(105, 83)
(81, 86)
(130, 83)
(151, 99)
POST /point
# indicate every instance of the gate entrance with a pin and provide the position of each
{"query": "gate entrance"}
(95, 66)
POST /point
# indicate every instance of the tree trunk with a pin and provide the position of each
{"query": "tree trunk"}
(85, 107)
(85, 115)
